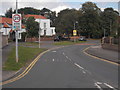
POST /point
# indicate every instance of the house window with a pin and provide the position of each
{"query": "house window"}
(44, 32)
(52, 31)
(44, 25)
(19, 35)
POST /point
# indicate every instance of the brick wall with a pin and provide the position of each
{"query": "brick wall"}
(111, 43)
(37, 39)
(3, 40)
(0, 40)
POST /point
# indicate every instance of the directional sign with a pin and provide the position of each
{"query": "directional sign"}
(16, 21)
(74, 32)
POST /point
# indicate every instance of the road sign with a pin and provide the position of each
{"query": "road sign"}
(74, 32)
(16, 21)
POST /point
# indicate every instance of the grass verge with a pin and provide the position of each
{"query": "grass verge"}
(26, 54)
(68, 42)
(29, 44)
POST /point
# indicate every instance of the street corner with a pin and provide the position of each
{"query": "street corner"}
(98, 52)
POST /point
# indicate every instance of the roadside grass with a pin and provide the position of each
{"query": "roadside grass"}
(26, 54)
(68, 42)
(29, 44)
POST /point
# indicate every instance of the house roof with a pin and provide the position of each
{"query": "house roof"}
(5, 20)
(35, 16)
(23, 26)
(5, 25)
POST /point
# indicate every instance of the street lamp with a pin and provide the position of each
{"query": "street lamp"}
(104, 33)
(16, 35)
(75, 24)
(39, 32)
(74, 28)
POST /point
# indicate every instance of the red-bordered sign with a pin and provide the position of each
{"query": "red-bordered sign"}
(16, 18)
(16, 21)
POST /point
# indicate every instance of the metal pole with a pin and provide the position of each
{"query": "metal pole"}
(110, 26)
(16, 37)
(39, 33)
(74, 29)
(104, 32)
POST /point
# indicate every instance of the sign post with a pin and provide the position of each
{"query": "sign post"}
(74, 34)
(16, 26)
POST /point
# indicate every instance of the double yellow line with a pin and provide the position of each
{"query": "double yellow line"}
(84, 51)
(26, 71)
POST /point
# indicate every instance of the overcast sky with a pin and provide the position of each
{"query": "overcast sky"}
(55, 5)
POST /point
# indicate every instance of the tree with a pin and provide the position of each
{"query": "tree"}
(49, 14)
(65, 21)
(110, 21)
(90, 20)
(9, 13)
(32, 27)
(29, 10)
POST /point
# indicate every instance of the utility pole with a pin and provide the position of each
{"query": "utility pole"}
(110, 26)
(16, 36)
(39, 33)
(104, 33)
(74, 29)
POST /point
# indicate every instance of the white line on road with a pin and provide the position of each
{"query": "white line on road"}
(63, 53)
(78, 66)
(109, 86)
(53, 60)
(54, 51)
(99, 83)
(70, 59)
(84, 72)
(98, 86)
(67, 57)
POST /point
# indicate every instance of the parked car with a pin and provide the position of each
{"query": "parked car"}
(82, 38)
(61, 38)
(56, 38)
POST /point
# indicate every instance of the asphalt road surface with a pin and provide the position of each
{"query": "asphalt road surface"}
(69, 67)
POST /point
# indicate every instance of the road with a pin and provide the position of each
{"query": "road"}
(69, 67)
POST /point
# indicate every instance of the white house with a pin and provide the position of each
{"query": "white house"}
(44, 25)
(6, 27)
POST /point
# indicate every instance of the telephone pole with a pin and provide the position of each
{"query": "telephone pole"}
(16, 35)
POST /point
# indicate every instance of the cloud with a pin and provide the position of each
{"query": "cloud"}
(59, 8)
(102, 9)
(54, 5)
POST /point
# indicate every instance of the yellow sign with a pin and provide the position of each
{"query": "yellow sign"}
(74, 32)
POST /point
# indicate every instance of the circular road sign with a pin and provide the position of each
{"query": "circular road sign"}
(16, 18)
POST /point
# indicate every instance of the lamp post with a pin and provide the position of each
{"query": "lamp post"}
(104, 33)
(16, 36)
(74, 29)
(39, 32)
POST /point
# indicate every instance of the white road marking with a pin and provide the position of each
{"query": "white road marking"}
(78, 66)
(18, 71)
(70, 59)
(84, 72)
(53, 60)
(54, 51)
(98, 86)
(67, 57)
(63, 53)
(109, 86)
(99, 83)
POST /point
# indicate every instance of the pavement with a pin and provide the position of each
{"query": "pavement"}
(98, 51)
(66, 68)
